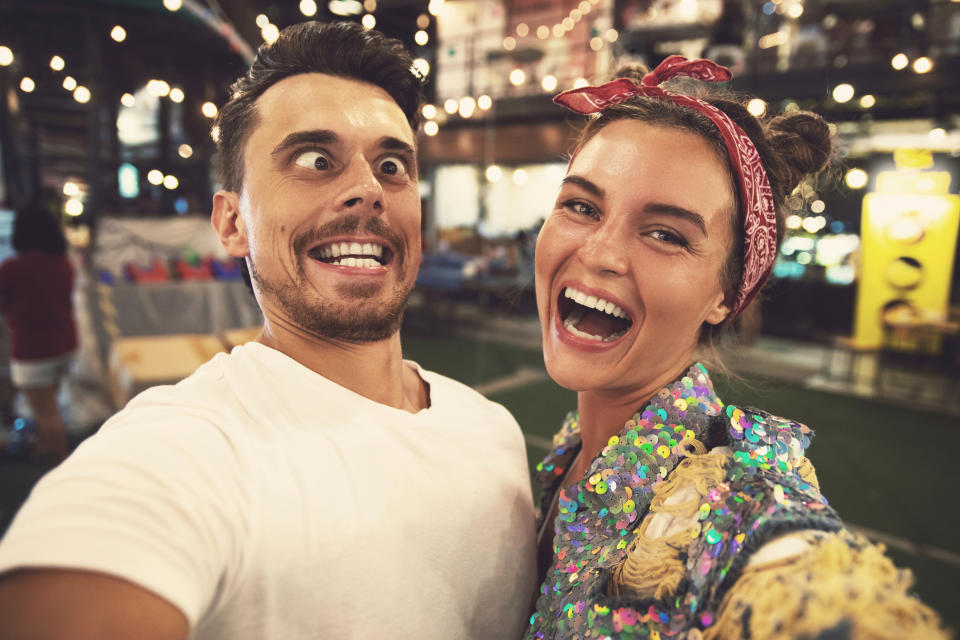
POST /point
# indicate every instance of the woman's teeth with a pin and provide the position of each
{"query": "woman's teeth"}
(592, 302)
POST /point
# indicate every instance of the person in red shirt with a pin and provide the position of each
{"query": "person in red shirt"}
(36, 288)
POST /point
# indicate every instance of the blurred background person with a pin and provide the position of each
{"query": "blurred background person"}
(36, 289)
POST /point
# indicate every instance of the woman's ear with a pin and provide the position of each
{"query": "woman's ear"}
(228, 223)
(718, 311)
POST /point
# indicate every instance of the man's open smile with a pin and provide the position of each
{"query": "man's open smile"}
(365, 255)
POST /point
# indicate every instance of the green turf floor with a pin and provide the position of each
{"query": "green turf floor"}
(882, 466)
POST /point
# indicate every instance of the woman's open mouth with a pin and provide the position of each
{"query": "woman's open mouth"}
(592, 318)
(367, 255)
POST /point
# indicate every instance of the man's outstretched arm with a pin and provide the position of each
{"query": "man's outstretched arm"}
(55, 604)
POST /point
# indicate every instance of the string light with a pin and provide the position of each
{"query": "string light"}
(467, 106)
(176, 95)
(421, 37)
(843, 92)
(939, 134)
(584, 7)
(818, 206)
(568, 24)
(118, 33)
(369, 5)
(923, 64)
(558, 31)
(580, 82)
(523, 29)
(520, 177)
(611, 35)
(549, 83)
(517, 77)
(509, 43)
(423, 21)
(308, 8)
(867, 101)
(493, 173)
(596, 43)
(795, 10)
(128, 100)
(172, 5)
(27, 84)
(900, 61)
(422, 67)
(429, 111)
(171, 182)
(431, 128)
(6, 56)
(575, 15)
(451, 106)
(368, 21)
(209, 110)
(81, 94)
(73, 207)
(484, 102)
(71, 189)
(435, 7)
(757, 107)
(270, 33)
(543, 32)
(69, 83)
(856, 178)
(262, 21)
(185, 151)
(158, 88)
(57, 63)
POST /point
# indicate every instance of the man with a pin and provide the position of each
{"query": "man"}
(310, 484)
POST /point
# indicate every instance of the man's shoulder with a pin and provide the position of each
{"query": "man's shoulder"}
(446, 391)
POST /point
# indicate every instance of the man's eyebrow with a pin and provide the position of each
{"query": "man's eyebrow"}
(652, 208)
(389, 143)
(315, 136)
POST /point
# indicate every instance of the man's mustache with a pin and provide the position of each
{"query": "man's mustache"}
(353, 224)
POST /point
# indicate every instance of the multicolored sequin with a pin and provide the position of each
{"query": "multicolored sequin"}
(761, 495)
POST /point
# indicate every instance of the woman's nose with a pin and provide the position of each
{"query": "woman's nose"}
(605, 250)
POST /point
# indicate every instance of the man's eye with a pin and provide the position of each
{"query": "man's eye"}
(393, 166)
(312, 160)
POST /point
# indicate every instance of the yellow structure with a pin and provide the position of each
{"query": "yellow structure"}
(909, 237)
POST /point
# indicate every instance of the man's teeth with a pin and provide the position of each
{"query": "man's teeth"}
(592, 302)
(367, 263)
(352, 254)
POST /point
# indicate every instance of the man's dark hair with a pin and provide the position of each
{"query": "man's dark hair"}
(35, 228)
(343, 49)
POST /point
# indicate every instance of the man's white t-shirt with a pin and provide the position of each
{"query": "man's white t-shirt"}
(267, 502)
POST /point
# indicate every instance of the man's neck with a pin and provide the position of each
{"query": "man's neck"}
(374, 370)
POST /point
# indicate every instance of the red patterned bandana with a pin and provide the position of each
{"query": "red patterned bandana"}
(760, 220)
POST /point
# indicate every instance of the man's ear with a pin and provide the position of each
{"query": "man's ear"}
(228, 223)
(718, 311)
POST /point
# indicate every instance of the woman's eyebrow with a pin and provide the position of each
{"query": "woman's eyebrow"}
(676, 212)
(584, 184)
(651, 208)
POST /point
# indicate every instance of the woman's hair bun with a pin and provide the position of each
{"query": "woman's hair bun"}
(803, 141)
(633, 71)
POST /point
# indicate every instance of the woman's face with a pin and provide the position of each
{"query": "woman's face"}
(641, 228)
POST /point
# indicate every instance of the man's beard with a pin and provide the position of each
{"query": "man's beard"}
(353, 316)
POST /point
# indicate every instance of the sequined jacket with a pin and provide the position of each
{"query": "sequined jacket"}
(650, 541)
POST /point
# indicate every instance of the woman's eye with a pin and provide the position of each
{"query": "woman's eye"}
(393, 166)
(580, 208)
(668, 237)
(312, 160)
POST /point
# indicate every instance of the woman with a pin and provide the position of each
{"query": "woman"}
(36, 288)
(667, 513)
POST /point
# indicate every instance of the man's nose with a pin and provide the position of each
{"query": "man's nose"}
(359, 188)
